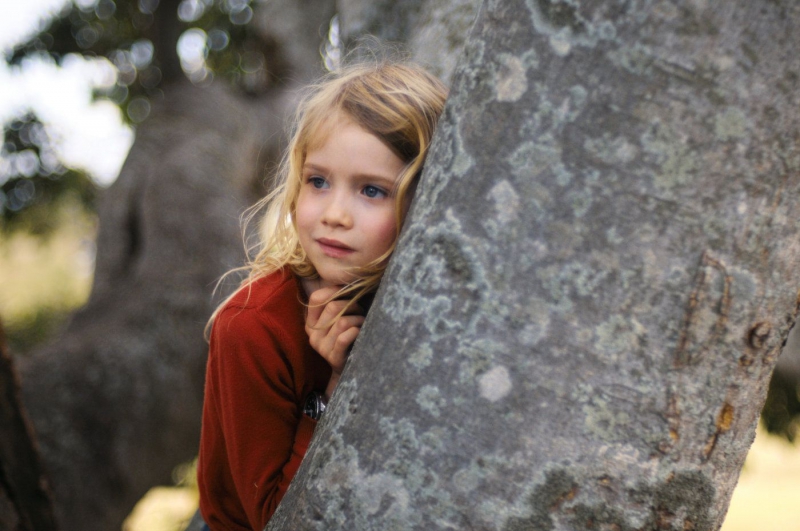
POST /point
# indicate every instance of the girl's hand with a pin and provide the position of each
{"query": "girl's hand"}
(332, 339)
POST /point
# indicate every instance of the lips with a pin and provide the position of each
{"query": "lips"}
(334, 248)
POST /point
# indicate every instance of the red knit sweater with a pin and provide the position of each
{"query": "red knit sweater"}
(254, 435)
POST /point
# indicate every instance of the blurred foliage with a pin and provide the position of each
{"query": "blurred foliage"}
(781, 413)
(33, 329)
(36, 181)
(141, 39)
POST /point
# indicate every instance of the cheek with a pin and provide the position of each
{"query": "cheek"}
(383, 232)
(304, 215)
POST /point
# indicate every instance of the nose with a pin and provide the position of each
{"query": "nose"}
(338, 212)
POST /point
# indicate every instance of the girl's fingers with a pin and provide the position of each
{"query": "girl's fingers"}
(334, 344)
(346, 322)
(332, 309)
(324, 340)
(317, 300)
(340, 348)
(339, 356)
(345, 339)
(321, 295)
(325, 316)
(332, 325)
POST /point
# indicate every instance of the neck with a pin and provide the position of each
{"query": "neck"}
(310, 285)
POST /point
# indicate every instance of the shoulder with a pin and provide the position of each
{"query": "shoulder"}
(269, 305)
(265, 290)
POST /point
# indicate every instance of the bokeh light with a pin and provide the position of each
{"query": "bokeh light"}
(138, 109)
(191, 10)
(241, 16)
(142, 53)
(70, 124)
(218, 40)
(192, 52)
(332, 49)
(148, 7)
(105, 9)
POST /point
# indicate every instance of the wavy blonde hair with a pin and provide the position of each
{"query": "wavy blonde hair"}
(398, 102)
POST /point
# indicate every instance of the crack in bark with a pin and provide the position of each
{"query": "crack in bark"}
(683, 357)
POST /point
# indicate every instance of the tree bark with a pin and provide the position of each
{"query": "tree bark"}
(25, 503)
(593, 286)
(116, 399)
(431, 31)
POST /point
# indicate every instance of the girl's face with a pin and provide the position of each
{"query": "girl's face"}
(346, 210)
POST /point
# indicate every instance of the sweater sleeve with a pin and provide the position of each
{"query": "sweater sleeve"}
(260, 434)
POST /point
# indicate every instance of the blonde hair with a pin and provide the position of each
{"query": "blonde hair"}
(400, 103)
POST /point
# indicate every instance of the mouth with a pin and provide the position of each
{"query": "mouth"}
(334, 248)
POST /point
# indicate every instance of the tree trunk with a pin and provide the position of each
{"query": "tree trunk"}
(595, 281)
(116, 400)
(25, 503)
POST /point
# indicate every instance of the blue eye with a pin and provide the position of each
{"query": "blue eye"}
(317, 182)
(373, 192)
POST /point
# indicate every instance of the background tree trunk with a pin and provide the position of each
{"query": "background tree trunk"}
(595, 281)
(25, 503)
(116, 400)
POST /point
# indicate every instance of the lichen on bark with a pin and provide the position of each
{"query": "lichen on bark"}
(581, 297)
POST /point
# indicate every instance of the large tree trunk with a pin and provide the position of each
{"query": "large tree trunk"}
(116, 400)
(595, 281)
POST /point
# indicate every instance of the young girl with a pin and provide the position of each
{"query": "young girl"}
(279, 344)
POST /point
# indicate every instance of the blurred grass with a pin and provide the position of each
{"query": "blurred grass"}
(167, 508)
(44, 278)
(162, 509)
(767, 497)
